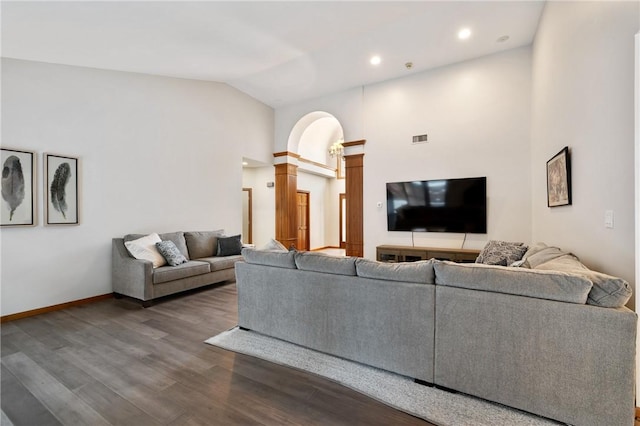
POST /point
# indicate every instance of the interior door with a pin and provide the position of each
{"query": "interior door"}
(247, 226)
(303, 220)
(343, 221)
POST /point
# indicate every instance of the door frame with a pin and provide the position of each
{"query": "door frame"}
(308, 217)
(342, 241)
(249, 238)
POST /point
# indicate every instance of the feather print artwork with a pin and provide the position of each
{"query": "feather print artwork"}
(12, 183)
(58, 192)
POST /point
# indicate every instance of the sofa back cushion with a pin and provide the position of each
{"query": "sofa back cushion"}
(550, 285)
(317, 262)
(202, 244)
(607, 291)
(413, 272)
(280, 259)
(176, 237)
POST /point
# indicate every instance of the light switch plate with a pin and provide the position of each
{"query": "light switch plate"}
(608, 218)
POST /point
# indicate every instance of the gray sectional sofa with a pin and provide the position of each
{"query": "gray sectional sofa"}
(530, 338)
(139, 279)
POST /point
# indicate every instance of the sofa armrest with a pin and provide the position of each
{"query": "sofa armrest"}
(130, 276)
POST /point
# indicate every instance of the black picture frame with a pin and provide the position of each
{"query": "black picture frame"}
(61, 190)
(18, 201)
(559, 179)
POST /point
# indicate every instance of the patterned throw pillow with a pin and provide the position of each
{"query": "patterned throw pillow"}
(501, 253)
(229, 246)
(171, 253)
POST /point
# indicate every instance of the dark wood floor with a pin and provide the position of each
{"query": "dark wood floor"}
(112, 362)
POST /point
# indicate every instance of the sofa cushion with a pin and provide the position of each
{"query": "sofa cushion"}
(550, 285)
(318, 262)
(414, 272)
(170, 252)
(170, 273)
(607, 291)
(218, 263)
(540, 253)
(176, 237)
(274, 244)
(284, 259)
(203, 243)
(178, 240)
(229, 246)
(144, 248)
(501, 253)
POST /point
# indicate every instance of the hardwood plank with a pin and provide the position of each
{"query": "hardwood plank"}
(62, 403)
(135, 366)
(20, 405)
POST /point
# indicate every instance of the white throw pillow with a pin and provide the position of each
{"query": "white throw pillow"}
(145, 249)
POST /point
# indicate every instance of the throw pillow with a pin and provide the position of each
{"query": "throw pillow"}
(501, 253)
(145, 249)
(229, 246)
(274, 244)
(171, 253)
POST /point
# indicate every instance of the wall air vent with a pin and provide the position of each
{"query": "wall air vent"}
(420, 139)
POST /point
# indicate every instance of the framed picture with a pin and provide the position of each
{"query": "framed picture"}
(61, 190)
(18, 187)
(559, 179)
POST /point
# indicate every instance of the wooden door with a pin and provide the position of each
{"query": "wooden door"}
(303, 220)
(343, 221)
(247, 213)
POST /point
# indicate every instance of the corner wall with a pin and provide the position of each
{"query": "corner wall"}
(583, 79)
(157, 155)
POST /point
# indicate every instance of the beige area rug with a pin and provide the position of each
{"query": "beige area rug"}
(434, 405)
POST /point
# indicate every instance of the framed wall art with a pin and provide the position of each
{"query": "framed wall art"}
(18, 187)
(559, 179)
(61, 190)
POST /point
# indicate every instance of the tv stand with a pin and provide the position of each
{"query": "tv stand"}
(388, 253)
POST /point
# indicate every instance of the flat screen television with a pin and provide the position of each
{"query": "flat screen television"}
(444, 205)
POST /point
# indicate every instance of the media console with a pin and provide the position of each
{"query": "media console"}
(388, 253)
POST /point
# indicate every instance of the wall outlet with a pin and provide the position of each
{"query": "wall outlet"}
(608, 218)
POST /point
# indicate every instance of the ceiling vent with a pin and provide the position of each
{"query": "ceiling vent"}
(420, 139)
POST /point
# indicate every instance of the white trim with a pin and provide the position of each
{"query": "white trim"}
(637, 187)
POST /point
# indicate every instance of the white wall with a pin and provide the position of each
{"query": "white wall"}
(157, 154)
(345, 106)
(583, 79)
(264, 202)
(476, 115)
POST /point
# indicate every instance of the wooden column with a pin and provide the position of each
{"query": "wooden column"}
(286, 209)
(354, 168)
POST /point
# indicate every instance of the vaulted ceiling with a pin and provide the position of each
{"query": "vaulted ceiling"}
(279, 52)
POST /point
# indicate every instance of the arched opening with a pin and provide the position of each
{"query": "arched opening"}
(318, 176)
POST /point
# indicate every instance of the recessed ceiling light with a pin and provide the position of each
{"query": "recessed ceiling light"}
(244, 163)
(464, 33)
(375, 60)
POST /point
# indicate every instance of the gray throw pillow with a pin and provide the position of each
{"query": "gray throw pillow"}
(501, 253)
(171, 253)
(229, 246)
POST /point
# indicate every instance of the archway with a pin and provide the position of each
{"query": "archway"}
(308, 166)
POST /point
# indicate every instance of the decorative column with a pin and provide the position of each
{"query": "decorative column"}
(286, 186)
(354, 168)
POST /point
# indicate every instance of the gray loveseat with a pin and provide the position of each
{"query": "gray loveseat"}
(522, 337)
(140, 280)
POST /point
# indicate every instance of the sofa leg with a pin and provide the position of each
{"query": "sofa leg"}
(423, 383)
(147, 303)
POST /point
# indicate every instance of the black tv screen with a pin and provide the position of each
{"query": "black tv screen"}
(445, 205)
